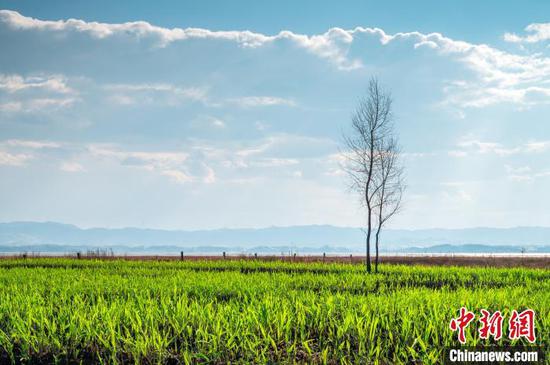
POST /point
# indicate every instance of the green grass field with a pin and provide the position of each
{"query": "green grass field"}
(250, 311)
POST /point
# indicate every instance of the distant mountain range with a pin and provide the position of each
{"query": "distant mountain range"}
(57, 237)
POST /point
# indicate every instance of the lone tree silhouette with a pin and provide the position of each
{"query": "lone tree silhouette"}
(371, 160)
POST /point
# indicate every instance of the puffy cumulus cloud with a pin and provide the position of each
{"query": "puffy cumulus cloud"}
(499, 76)
(234, 107)
(502, 78)
(137, 30)
(331, 45)
(539, 32)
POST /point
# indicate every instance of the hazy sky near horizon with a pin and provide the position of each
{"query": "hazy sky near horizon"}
(211, 114)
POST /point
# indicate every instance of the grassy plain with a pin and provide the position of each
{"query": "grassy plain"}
(247, 311)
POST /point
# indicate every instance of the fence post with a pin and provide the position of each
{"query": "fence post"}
(224, 255)
(324, 256)
(78, 255)
(350, 258)
(255, 255)
(181, 255)
(294, 256)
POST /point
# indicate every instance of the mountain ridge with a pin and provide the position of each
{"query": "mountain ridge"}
(305, 236)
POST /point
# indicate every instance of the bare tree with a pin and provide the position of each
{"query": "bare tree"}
(390, 186)
(366, 160)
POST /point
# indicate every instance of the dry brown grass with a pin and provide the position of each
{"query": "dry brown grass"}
(429, 260)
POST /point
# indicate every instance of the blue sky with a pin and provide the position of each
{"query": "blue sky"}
(210, 114)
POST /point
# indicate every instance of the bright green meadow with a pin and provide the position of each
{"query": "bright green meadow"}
(218, 312)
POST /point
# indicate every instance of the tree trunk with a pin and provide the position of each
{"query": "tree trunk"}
(368, 201)
(377, 240)
(369, 229)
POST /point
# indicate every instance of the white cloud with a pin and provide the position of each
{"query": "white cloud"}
(525, 173)
(10, 159)
(254, 101)
(210, 176)
(489, 147)
(210, 121)
(147, 159)
(456, 153)
(274, 162)
(517, 170)
(261, 126)
(332, 45)
(483, 147)
(11, 107)
(31, 144)
(166, 163)
(138, 30)
(297, 174)
(273, 156)
(476, 95)
(499, 76)
(15, 83)
(69, 166)
(539, 32)
(32, 94)
(537, 146)
(129, 94)
(457, 196)
(43, 104)
(414, 155)
(121, 99)
(17, 152)
(261, 147)
(218, 123)
(177, 176)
